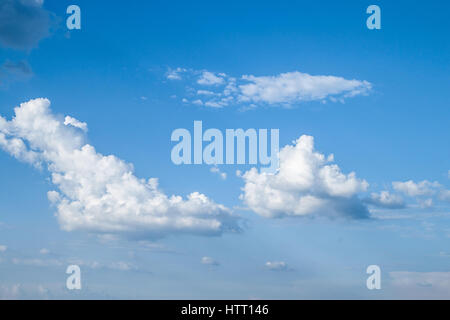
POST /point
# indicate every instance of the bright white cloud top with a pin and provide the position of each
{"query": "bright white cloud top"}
(286, 89)
(306, 183)
(98, 193)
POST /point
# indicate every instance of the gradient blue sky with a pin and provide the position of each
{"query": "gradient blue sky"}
(112, 74)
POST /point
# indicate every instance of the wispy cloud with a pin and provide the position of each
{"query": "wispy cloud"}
(218, 90)
(277, 266)
(209, 261)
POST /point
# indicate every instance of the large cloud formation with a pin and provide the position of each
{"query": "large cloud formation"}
(306, 183)
(23, 23)
(98, 193)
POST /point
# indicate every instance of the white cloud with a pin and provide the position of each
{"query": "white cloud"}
(44, 251)
(209, 261)
(198, 102)
(3, 248)
(413, 189)
(284, 89)
(384, 199)
(208, 78)
(175, 74)
(277, 265)
(69, 121)
(205, 92)
(223, 175)
(98, 193)
(306, 183)
(293, 87)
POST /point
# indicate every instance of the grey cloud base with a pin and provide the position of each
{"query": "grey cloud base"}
(23, 23)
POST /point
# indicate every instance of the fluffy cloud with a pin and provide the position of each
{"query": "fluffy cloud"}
(433, 191)
(384, 199)
(284, 89)
(306, 183)
(209, 78)
(412, 189)
(98, 193)
(23, 23)
(75, 123)
(293, 87)
(3, 248)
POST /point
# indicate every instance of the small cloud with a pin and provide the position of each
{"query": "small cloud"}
(175, 74)
(44, 251)
(209, 261)
(208, 78)
(384, 199)
(223, 175)
(205, 92)
(277, 266)
(198, 102)
(69, 121)
(3, 248)
(425, 204)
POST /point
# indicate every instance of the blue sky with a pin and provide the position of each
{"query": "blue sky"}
(133, 74)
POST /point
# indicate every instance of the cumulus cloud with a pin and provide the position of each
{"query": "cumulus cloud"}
(285, 89)
(306, 183)
(384, 199)
(277, 266)
(69, 121)
(209, 261)
(3, 248)
(98, 193)
(23, 23)
(208, 78)
(413, 189)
